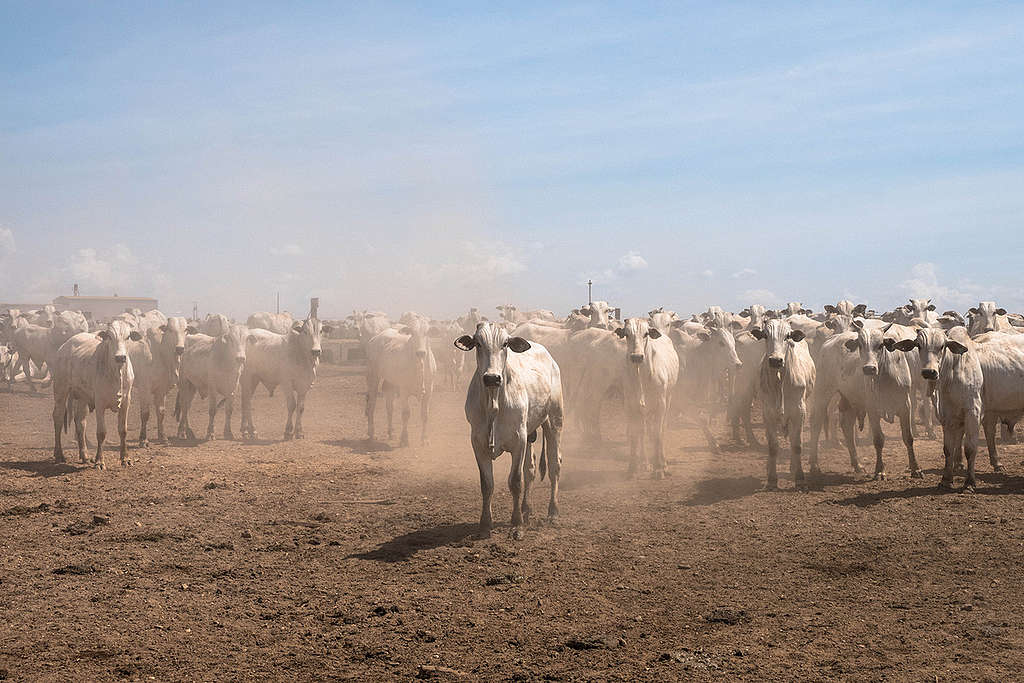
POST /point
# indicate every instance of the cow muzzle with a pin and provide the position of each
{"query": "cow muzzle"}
(871, 370)
(492, 380)
(240, 359)
(316, 353)
(775, 362)
(179, 350)
(421, 354)
(636, 358)
(929, 373)
(120, 359)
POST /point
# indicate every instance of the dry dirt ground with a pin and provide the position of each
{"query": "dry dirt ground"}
(335, 558)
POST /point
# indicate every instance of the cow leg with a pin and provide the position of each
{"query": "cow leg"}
(906, 419)
(389, 405)
(403, 398)
(300, 407)
(289, 426)
(751, 437)
(819, 419)
(424, 416)
(515, 486)
(101, 435)
(928, 415)
(846, 420)
(80, 412)
(229, 410)
(634, 434)
(951, 437)
(372, 382)
(989, 423)
(248, 420)
(969, 438)
(60, 406)
(655, 435)
(122, 429)
(771, 433)
(144, 419)
(553, 457)
(704, 418)
(27, 369)
(529, 474)
(1007, 431)
(796, 412)
(878, 439)
(484, 463)
(212, 411)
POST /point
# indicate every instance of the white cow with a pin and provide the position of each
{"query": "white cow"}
(287, 360)
(649, 374)
(156, 361)
(210, 366)
(510, 396)
(787, 374)
(403, 361)
(215, 325)
(703, 358)
(92, 372)
(985, 317)
(279, 323)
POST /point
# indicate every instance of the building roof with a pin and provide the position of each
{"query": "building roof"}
(104, 298)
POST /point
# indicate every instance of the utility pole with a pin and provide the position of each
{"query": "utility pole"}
(195, 310)
(590, 291)
(279, 302)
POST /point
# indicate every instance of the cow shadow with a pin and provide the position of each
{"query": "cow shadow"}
(361, 446)
(44, 468)
(582, 479)
(720, 489)
(998, 484)
(403, 548)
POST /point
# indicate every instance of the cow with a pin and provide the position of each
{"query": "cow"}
(917, 309)
(370, 324)
(755, 315)
(449, 360)
(212, 367)
(795, 308)
(787, 375)
(215, 325)
(31, 344)
(156, 361)
(403, 361)
(279, 323)
(846, 307)
(985, 317)
(287, 360)
(469, 321)
(649, 375)
(593, 368)
(703, 358)
(598, 312)
(510, 397)
(869, 370)
(92, 372)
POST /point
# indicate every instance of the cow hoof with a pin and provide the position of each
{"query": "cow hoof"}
(483, 532)
(657, 474)
(404, 443)
(143, 443)
(59, 457)
(287, 436)
(879, 476)
(516, 533)
(968, 488)
(553, 518)
(858, 470)
(916, 474)
(126, 463)
(771, 486)
(228, 436)
(997, 468)
(946, 485)
(299, 435)
(100, 466)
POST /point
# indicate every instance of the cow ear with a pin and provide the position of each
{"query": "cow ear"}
(251, 339)
(735, 324)
(406, 330)
(326, 329)
(1000, 311)
(191, 329)
(517, 344)
(103, 334)
(905, 345)
(135, 336)
(621, 331)
(49, 323)
(297, 325)
(931, 307)
(889, 344)
(465, 342)
(973, 311)
(806, 311)
(679, 323)
(829, 308)
(851, 344)
(797, 335)
(955, 346)
(830, 323)
(703, 336)
(653, 333)
(163, 328)
(757, 333)
(745, 313)
(860, 309)
(859, 324)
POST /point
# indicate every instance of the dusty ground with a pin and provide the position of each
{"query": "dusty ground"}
(334, 558)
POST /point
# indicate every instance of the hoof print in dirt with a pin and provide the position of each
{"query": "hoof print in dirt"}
(598, 643)
(440, 673)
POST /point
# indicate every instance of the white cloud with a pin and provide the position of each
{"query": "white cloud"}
(708, 273)
(631, 261)
(759, 296)
(7, 246)
(479, 261)
(743, 272)
(290, 249)
(924, 282)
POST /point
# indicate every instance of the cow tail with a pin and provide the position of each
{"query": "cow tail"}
(544, 454)
(69, 407)
(177, 399)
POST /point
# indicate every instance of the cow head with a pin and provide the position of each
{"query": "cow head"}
(757, 314)
(796, 308)
(230, 346)
(723, 346)
(871, 342)
(306, 335)
(114, 338)
(983, 317)
(778, 337)
(839, 323)
(636, 332)
(492, 345)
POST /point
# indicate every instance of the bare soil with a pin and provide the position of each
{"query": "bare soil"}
(335, 558)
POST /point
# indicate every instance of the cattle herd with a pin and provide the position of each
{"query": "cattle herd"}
(831, 370)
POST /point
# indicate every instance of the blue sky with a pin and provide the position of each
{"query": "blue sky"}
(432, 156)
